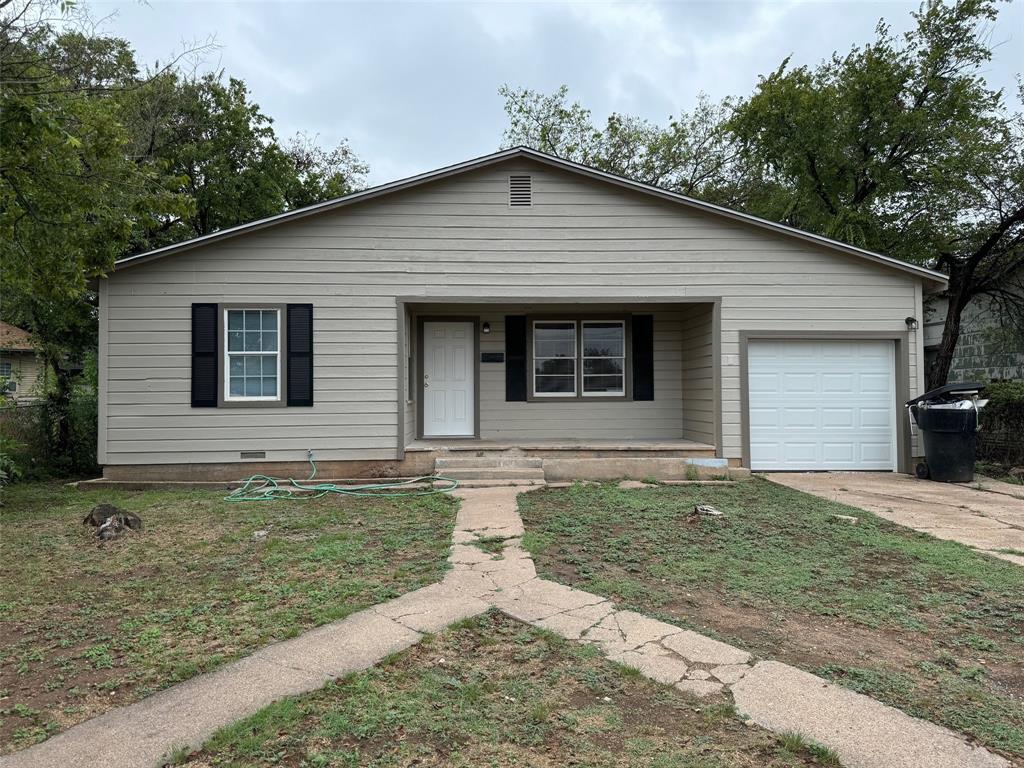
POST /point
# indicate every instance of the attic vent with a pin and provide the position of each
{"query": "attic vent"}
(520, 191)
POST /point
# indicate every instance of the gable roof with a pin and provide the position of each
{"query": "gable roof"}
(550, 160)
(14, 339)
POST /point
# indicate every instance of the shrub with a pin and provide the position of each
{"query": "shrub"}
(1002, 423)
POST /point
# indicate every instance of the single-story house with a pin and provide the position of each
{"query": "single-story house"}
(514, 302)
(21, 371)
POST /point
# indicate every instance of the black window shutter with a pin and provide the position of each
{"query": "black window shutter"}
(515, 358)
(300, 354)
(204, 355)
(643, 357)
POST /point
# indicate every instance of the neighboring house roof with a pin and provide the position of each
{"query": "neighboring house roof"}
(14, 339)
(540, 157)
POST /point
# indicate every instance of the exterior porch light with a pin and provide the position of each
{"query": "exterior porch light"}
(912, 323)
(486, 327)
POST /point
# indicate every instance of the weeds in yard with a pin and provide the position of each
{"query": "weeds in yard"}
(929, 626)
(505, 695)
(194, 590)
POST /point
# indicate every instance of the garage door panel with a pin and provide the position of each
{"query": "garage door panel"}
(839, 452)
(764, 417)
(880, 418)
(800, 383)
(876, 452)
(837, 418)
(837, 383)
(822, 404)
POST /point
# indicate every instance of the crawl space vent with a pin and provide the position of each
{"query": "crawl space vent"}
(520, 191)
(253, 454)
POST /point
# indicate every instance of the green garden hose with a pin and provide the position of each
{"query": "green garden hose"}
(267, 488)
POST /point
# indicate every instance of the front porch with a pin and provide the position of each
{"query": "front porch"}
(536, 461)
(550, 379)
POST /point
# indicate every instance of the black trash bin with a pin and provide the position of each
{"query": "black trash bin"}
(948, 420)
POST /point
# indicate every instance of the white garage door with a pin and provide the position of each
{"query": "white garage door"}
(822, 404)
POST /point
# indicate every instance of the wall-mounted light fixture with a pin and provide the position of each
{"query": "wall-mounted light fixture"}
(486, 327)
(912, 323)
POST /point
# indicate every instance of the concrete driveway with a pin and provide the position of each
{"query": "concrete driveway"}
(987, 515)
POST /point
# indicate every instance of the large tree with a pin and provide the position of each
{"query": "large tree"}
(898, 146)
(692, 155)
(70, 194)
(209, 135)
(99, 160)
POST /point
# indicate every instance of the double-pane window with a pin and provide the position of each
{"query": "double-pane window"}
(579, 358)
(253, 360)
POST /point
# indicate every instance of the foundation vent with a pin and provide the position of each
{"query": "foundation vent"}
(520, 191)
(253, 454)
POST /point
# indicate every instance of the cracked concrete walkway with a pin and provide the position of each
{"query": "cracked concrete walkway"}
(864, 732)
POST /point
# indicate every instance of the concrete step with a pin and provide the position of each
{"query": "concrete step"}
(478, 462)
(492, 473)
(494, 483)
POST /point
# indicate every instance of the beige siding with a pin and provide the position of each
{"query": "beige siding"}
(457, 238)
(27, 373)
(698, 370)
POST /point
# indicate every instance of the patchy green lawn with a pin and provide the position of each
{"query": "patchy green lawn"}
(86, 626)
(926, 625)
(492, 692)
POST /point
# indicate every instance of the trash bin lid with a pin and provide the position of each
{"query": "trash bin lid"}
(949, 392)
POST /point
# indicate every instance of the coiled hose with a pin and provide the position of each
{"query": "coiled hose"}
(267, 488)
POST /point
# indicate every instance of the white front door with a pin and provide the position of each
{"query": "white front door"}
(448, 380)
(822, 405)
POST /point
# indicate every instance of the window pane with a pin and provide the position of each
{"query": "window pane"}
(237, 366)
(554, 340)
(269, 365)
(235, 319)
(237, 386)
(270, 341)
(605, 365)
(252, 341)
(603, 384)
(253, 365)
(270, 386)
(554, 384)
(253, 387)
(555, 366)
(235, 341)
(252, 320)
(269, 320)
(604, 340)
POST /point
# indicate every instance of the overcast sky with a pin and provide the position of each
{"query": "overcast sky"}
(414, 85)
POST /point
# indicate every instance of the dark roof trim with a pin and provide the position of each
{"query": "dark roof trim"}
(540, 157)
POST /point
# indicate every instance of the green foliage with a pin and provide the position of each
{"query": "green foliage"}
(897, 146)
(1002, 423)
(692, 155)
(99, 160)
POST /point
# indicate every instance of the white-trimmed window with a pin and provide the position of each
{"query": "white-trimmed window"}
(252, 364)
(603, 353)
(554, 358)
